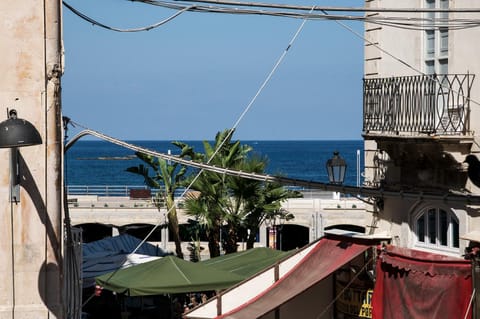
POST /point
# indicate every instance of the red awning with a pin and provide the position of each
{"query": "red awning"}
(417, 285)
(324, 259)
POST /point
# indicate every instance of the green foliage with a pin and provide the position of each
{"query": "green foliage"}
(194, 246)
(231, 202)
(158, 173)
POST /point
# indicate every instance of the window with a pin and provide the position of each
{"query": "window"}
(436, 38)
(437, 228)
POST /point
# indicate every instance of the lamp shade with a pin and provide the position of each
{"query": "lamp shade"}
(15, 132)
(336, 167)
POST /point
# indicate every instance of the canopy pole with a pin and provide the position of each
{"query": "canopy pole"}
(469, 304)
(219, 303)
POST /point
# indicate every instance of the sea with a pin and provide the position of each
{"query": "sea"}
(100, 163)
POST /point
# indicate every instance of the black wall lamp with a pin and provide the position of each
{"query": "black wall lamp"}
(336, 167)
(15, 133)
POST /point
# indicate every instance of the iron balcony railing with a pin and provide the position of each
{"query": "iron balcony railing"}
(425, 104)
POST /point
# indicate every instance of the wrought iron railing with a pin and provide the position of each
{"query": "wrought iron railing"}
(425, 104)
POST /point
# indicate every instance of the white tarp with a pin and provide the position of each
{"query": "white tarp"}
(109, 254)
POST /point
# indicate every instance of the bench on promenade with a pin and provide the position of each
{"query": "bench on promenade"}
(140, 193)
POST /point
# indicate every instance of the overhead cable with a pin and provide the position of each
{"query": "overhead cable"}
(321, 8)
(147, 28)
(451, 196)
(396, 22)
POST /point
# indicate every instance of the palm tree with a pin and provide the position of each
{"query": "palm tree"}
(169, 176)
(232, 202)
(242, 191)
(266, 204)
(211, 207)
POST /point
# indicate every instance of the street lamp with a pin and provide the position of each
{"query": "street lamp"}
(336, 167)
(15, 133)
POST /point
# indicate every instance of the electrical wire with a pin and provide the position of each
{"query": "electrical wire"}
(451, 196)
(72, 292)
(418, 24)
(147, 28)
(230, 132)
(414, 24)
(395, 22)
(12, 232)
(321, 8)
(357, 191)
(401, 61)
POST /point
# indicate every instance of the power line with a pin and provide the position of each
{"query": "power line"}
(396, 22)
(418, 24)
(451, 196)
(322, 9)
(146, 28)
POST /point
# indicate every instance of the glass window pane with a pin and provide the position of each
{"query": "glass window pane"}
(455, 233)
(430, 43)
(430, 4)
(432, 226)
(421, 229)
(443, 41)
(430, 67)
(443, 66)
(444, 5)
(443, 228)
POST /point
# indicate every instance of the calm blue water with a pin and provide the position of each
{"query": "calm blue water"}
(101, 163)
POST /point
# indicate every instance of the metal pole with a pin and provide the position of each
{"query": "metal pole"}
(476, 285)
(358, 168)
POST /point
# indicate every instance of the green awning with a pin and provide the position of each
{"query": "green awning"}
(248, 262)
(167, 275)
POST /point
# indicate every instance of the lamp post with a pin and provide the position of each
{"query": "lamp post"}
(275, 226)
(336, 167)
(281, 220)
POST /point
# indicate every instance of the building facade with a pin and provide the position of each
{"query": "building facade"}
(420, 122)
(421, 111)
(31, 236)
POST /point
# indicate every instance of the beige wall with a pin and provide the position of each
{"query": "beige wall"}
(396, 219)
(407, 45)
(30, 240)
(383, 43)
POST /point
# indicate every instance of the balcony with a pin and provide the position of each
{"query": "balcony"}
(417, 106)
(421, 128)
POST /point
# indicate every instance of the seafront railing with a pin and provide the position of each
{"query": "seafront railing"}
(129, 190)
(103, 190)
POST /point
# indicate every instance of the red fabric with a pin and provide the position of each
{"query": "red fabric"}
(322, 260)
(417, 285)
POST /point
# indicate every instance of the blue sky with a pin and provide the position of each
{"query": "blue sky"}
(195, 75)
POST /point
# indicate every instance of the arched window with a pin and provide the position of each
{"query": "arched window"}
(437, 228)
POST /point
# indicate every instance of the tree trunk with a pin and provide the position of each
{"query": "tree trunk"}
(173, 227)
(231, 240)
(213, 241)
(251, 238)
